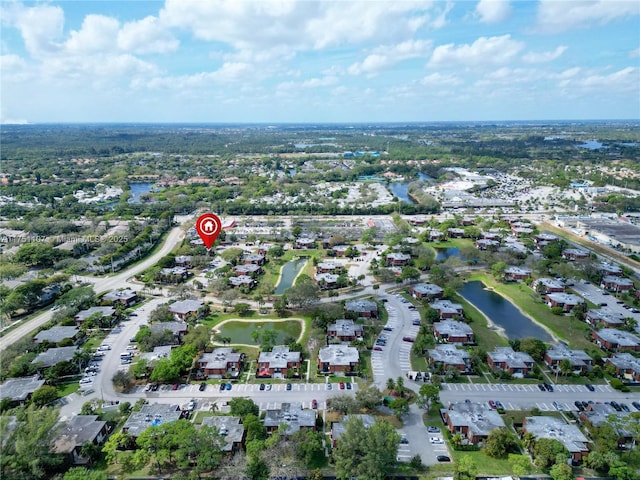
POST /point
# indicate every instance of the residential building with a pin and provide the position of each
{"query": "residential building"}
(425, 291)
(627, 366)
(453, 331)
(19, 390)
(614, 283)
(573, 254)
(345, 331)
(598, 414)
(326, 281)
(305, 243)
(125, 297)
(57, 334)
(581, 362)
(455, 232)
(151, 414)
(506, 359)
(340, 359)
(517, 274)
(474, 421)
(445, 356)
(250, 269)
(543, 239)
(565, 300)
(340, 250)
(447, 309)
(547, 285)
(242, 281)
(183, 261)
(53, 356)
(610, 269)
(397, 259)
(254, 259)
(230, 428)
(178, 329)
(75, 433)
(616, 340)
(221, 362)
(487, 244)
(363, 308)
(329, 267)
(555, 428)
(104, 312)
(292, 416)
(186, 309)
(278, 363)
(604, 318)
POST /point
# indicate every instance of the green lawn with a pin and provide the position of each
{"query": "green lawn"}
(487, 466)
(486, 338)
(67, 388)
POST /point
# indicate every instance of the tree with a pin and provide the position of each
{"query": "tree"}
(343, 404)
(622, 471)
(241, 407)
(534, 347)
(254, 427)
(500, 443)
(242, 308)
(122, 380)
(520, 464)
(81, 473)
(428, 394)
(304, 293)
(165, 371)
(368, 398)
(368, 453)
(309, 448)
(561, 471)
(465, 469)
(400, 406)
(565, 367)
(45, 395)
(26, 453)
(546, 452)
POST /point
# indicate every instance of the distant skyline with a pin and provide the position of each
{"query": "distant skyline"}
(285, 61)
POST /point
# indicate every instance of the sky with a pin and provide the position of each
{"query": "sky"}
(315, 61)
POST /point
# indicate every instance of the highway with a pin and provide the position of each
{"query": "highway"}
(101, 285)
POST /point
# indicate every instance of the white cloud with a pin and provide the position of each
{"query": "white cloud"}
(320, 82)
(386, 56)
(40, 26)
(625, 80)
(557, 16)
(544, 56)
(146, 36)
(438, 79)
(634, 53)
(493, 11)
(97, 34)
(484, 51)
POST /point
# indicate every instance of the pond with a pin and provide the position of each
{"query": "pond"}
(401, 189)
(288, 274)
(137, 189)
(240, 331)
(503, 313)
(443, 253)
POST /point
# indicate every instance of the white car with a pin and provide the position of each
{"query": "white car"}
(191, 405)
(437, 440)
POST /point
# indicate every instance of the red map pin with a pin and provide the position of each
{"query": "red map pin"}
(208, 227)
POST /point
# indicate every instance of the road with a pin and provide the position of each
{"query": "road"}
(101, 285)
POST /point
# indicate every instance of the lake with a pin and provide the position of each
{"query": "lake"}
(240, 332)
(288, 274)
(503, 313)
(138, 189)
(443, 253)
(401, 189)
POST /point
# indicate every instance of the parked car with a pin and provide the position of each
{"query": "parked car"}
(228, 386)
(268, 387)
(289, 386)
(590, 387)
(541, 387)
(378, 348)
(549, 387)
(636, 405)
(416, 322)
(443, 458)
(222, 386)
(341, 385)
(436, 440)
(329, 387)
(625, 407)
(408, 339)
(203, 386)
(191, 405)
(404, 441)
(348, 385)
(262, 386)
(578, 405)
(433, 430)
(388, 328)
(492, 404)
(314, 404)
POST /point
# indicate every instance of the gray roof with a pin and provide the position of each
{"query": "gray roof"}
(517, 271)
(512, 358)
(478, 417)
(337, 428)
(220, 357)
(565, 298)
(56, 334)
(619, 337)
(449, 354)
(610, 267)
(549, 283)
(622, 281)
(329, 265)
(446, 306)
(346, 328)
(162, 351)
(578, 358)
(241, 280)
(453, 328)
(607, 316)
(361, 306)
(327, 277)
(402, 257)
(247, 268)
(230, 427)
(18, 389)
(575, 251)
(76, 432)
(554, 428)
(279, 356)
(339, 355)
(151, 415)
(173, 327)
(116, 295)
(427, 289)
(53, 356)
(186, 306)
(292, 415)
(103, 311)
(625, 361)
(598, 414)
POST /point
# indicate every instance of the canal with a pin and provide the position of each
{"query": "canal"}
(288, 274)
(503, 313)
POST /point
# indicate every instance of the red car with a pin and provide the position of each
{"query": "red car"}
(378, 348)
(492, 404)
(341, 385)
(408, 339)
(314, 404)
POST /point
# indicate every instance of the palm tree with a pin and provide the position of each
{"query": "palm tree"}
(391, 384)
(214, 407)
(565, 367)
(400, 387)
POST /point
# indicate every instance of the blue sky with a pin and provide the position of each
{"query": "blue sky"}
(319, 61)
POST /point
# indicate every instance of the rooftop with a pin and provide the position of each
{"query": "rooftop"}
(76, 432)
(18, 389)
(361, 306)
(279, 357)
(186, 306)
(449, 354)
(292, 415)
(339, 355)
(619, 337)
(56, 334)
(230, 428)
(151, 415)
(554, 428)
(478, 417)
(53, 356)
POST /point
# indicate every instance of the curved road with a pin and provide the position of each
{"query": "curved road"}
(100, 285)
